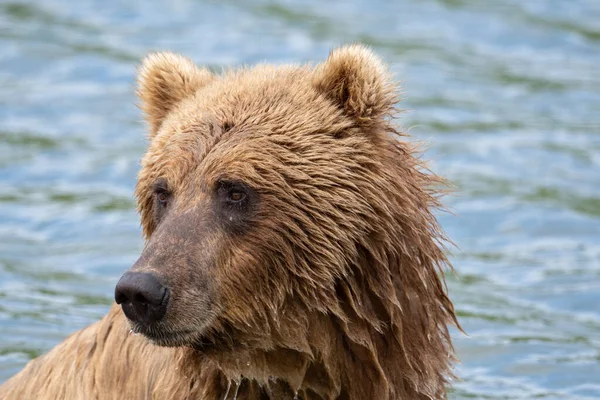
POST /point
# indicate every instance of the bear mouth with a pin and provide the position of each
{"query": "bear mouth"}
(181, 338)
(166, 337)
(206, 340)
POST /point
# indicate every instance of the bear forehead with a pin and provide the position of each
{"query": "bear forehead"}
(266, 98)
(241, 106)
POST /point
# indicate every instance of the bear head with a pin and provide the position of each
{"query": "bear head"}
(289, 227)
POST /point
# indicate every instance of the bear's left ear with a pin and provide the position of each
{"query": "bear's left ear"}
(356, 79)
(164, 79)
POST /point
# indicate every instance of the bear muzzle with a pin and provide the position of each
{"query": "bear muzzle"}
(143, 297)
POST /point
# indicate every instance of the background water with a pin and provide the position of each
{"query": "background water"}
(506, 93)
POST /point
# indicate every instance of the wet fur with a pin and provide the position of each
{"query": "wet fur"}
(335, 288)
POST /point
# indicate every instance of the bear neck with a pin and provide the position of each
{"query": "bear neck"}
(343, 354)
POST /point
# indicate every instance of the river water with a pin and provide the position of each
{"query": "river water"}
(505, 94)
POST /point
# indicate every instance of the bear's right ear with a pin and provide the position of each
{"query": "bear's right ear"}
(164, 79)
(358, 82)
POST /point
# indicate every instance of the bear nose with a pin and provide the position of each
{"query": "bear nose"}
(143, 298)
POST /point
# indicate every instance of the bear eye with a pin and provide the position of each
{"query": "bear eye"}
(162, 194)
(162, 198)
(236, 204)
(236, 195)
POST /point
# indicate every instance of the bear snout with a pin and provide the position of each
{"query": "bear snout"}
(143, 298)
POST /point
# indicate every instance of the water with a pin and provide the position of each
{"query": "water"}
(506, 94)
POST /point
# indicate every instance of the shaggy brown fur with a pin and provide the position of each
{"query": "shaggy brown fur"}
(327, 285)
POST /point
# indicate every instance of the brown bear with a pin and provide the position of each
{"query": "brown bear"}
(291, 248)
